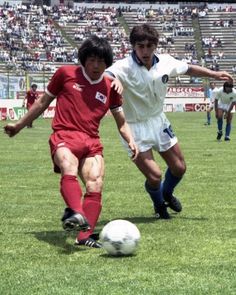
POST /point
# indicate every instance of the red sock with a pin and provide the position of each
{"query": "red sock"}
(71, 192)
(92, 207)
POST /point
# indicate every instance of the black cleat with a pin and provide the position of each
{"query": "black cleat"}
(219, 135)
(89, 242)
(227, 138)
(161, 212)
(74, 221)
(172, 202)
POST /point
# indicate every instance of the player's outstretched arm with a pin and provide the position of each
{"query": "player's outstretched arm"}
(36, 110)
(125, 132)
(199, 71)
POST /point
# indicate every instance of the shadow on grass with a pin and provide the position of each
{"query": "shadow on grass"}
(57, 239)
(193, 218)
(135, 220)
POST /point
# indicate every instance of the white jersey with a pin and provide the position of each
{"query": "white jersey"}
(225, 99)
(212, 94)
(145, 90)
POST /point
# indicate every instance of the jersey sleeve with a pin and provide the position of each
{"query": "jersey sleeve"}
(118, 70)
(56, 84)
(213, 94)
(217, 93)
(178, 67)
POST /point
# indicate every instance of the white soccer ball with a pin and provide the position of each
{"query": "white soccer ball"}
(120, 237)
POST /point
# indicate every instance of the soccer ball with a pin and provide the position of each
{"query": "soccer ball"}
(120, 237)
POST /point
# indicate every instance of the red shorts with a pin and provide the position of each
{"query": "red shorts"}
(79, 143)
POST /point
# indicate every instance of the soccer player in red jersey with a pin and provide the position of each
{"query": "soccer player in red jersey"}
(31, 96)
(84, 95)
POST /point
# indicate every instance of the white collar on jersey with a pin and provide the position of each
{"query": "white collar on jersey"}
(138, 61)
(91, 81)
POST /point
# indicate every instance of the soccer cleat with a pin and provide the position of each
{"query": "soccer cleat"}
(172, 202)
(74, 221)
(227, 138)
(161, 212)
(89, 242)
(219, 135)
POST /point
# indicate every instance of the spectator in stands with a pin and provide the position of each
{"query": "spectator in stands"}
(84, 95)
(234, 69)
(225, 101)
(31, 96)
(145, 76)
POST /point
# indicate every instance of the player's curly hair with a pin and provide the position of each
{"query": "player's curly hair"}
(228, 85)
(95, 46)
(144, 32)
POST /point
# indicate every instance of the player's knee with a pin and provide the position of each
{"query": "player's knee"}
(180, 169)
(94, 185)
(68, 167)
(154, 179)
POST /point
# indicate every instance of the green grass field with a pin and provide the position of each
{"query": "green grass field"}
(193, 253)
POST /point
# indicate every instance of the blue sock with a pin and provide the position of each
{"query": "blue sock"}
(227, 129)
(220, 124)
(209, 118)
(170, 182)
(155, 194)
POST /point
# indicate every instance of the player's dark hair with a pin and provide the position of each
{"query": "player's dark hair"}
(228, 85)
(142, 33)
(95, 46)
(34, 85)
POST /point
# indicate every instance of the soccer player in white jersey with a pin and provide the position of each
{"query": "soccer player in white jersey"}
(211, 100)
(225, 100)
(145, 76)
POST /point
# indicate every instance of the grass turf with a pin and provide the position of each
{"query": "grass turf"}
(193, 253)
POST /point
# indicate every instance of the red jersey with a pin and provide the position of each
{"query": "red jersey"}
(31, 96)
(81, 103)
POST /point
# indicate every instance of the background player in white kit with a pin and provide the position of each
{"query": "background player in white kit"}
(144, 76)
(211, 100)
(225, 100)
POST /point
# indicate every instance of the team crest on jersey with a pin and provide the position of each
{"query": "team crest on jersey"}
(101, 97)
(78, 87)
(165, 79)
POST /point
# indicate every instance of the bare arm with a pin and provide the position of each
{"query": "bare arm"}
(199, 71)
(35, 111)
(125, 132)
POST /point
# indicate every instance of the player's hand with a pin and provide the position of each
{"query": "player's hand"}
(117, 85)
(225, 76)
(11, 129)
(134, 149)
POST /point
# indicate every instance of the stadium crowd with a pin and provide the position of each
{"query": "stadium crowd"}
(40, 38)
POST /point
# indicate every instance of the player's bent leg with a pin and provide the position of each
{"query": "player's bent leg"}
(73, 218)
(228, 127)
(174, 173)
(220, 114)
(92, 173)
(146, 164)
